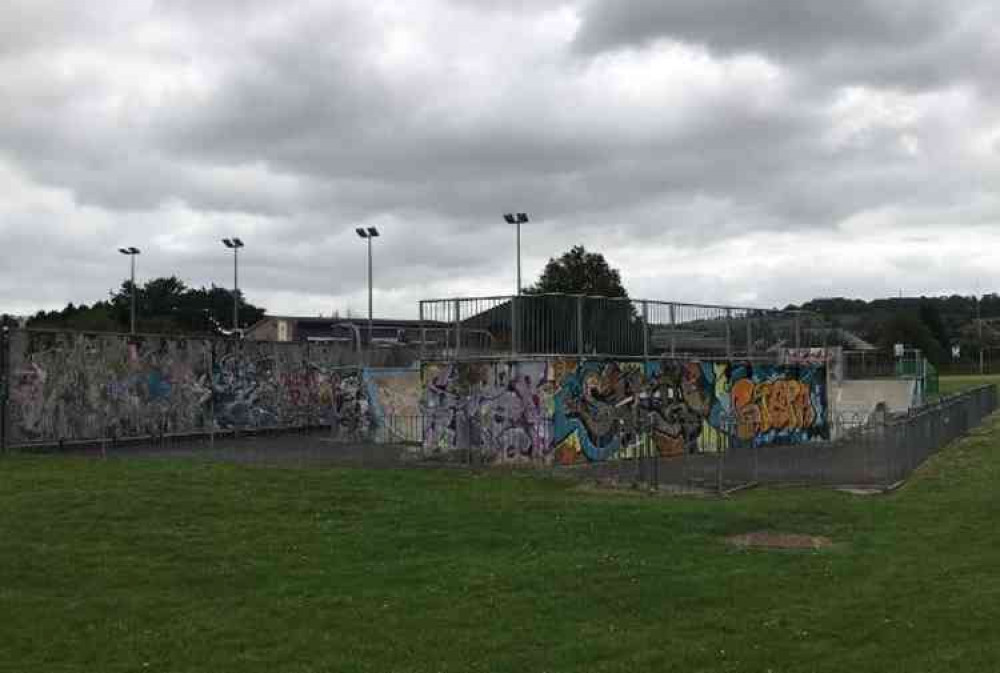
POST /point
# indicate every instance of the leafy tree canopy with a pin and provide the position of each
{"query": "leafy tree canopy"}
(933, 324)
(580, 272)
(164, 306)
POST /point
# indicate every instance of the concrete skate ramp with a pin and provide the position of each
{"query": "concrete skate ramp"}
(861, 397)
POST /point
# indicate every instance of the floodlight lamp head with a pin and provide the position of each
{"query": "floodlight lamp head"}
(522, 218)
(510, 218)
(123, 251)
(373, 232)
(361, 232)
(237, 243)
(227, 242)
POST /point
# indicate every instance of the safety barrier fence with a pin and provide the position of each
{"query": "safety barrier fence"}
(559, 324)
(70, 387)
(873, 450)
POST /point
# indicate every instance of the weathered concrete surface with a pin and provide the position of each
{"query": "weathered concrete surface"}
(861, 397)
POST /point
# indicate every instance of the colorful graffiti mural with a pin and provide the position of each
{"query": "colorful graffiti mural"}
(604, 408)
(395, 397)
(499, 409)
(566, 410)
(68, 386)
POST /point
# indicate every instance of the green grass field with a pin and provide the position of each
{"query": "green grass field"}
(954, 384)
(150, 565)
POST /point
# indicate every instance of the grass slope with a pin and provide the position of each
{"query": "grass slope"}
(147, 565)
(954, 384)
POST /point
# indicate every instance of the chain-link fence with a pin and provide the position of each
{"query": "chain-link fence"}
(877, 450)
(873, 450)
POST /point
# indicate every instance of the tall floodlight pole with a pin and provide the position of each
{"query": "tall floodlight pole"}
(235, 244)
(979, 325)
(368, 234)
(131, 252)
(517, 219)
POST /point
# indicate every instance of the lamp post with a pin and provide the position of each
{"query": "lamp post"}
(131, 252)
(235, 244)
(517, 219)
(979, 327)
(368, 234)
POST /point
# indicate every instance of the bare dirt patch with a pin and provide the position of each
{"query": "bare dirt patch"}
(770, 540)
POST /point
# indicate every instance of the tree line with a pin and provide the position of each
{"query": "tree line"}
(932, 324)
(163, 306)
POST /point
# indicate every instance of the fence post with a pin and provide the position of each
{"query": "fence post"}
(645, 329)
(579, 326)
(423, 333)
(458, 327)
(718, 464)
(673, 336)
(513, 326)
(729, 334)
(4, 379)
(211, 396)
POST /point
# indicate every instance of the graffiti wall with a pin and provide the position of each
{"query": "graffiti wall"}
(65, 386)
(569, 410)
(501, 409)
(71, 386)
(395, 399)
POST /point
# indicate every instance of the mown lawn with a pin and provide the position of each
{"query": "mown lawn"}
(148, 565)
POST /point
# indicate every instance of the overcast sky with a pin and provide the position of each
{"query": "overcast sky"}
(714, 150)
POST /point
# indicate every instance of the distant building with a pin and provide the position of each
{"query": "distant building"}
(392, 343)
(350, 331)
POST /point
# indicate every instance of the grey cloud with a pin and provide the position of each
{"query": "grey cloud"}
(291, 123)
(907, 43)
(784, 28)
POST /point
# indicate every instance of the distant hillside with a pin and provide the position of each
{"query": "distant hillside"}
(933, 324)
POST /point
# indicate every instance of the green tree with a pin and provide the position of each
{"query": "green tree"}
(931, 317)
(580, 272)
(907, 328)
(550, 322)
(165, 306)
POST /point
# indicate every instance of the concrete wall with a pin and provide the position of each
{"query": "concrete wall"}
(72, 386)
(395, 402)
(567, 410)
(856, 400)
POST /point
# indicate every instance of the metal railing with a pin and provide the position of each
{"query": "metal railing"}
(560, 324)
(883, 363)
